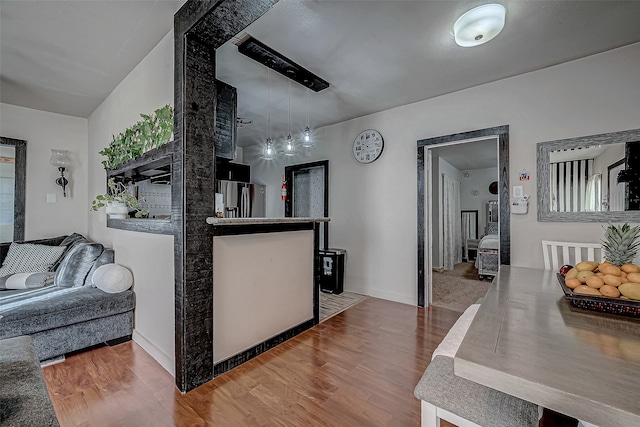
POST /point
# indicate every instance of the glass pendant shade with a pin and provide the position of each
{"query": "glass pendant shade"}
(289, 146)
(60, 158)
(307, 140)
(479, 25)
(269, 153)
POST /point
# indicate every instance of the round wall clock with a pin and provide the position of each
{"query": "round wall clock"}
(368, 146)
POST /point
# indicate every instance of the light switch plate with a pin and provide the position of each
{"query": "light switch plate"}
(518, 191)
(51, 197)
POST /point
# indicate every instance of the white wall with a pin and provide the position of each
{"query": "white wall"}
(479, 179)
(43, 131)
(150, 256)
(373, 207)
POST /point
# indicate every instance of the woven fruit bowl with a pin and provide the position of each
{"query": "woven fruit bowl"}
(618, 306)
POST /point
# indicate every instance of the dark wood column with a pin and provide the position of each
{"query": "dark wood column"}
(200, 28)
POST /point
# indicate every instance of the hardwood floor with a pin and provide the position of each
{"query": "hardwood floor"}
(358, 368)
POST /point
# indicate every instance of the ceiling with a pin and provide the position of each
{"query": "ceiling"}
(477, 155)
(67, 56)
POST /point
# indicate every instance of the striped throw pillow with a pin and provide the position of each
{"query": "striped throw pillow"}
(30, 258)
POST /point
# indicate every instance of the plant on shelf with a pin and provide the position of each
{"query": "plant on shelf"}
(118, 197)
(620, 243)
(151, 132)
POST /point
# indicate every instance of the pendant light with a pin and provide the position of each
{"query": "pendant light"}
(289, 143)
(269, 152)
(307, 140)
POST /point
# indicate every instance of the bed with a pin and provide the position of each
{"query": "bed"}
(487, 261)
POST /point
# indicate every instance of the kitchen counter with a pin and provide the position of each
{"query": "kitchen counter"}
(265, 284)
(244, 221)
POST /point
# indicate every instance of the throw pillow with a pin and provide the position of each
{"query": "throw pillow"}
(108, 256)
(30, 257)
(76, 264)
(26, 280)
(112, 278)
(71, 241)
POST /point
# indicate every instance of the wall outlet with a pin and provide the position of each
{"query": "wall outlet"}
(51, 197)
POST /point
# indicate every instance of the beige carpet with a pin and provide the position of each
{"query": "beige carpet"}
(459, 288)
(331, 304)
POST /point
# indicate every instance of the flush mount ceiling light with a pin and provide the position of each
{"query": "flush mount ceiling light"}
(479, 25)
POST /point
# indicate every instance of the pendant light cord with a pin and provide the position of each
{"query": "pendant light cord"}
(307, 108)
(289, 107)
(269, 101)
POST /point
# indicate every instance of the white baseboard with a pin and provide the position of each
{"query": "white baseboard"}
(165, 360)
(391, 296)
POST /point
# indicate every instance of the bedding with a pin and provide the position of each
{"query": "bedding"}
(487, 261)
(490, 241)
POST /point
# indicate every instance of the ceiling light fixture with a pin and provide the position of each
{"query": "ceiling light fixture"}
(270, 58)
(289, 144)
(269, 153)
(307, 140)
(479, 25)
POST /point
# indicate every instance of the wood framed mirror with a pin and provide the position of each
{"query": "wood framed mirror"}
(575, 179)
(13, 171)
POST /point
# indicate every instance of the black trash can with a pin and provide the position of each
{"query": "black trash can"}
(332, 270)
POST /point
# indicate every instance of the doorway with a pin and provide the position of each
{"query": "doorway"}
(308, 194)
(427, 214)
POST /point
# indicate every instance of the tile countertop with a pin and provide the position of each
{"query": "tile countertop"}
(245, 221)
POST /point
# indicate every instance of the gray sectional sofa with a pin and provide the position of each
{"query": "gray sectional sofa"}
(62, 319)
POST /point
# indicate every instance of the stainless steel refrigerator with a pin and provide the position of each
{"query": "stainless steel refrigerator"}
(241, 199)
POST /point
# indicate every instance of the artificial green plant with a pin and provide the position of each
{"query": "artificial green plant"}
(151, 132)
(117, 193)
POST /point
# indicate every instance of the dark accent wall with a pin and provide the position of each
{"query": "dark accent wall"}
(502, 133)
(20, 188)
(200, 27)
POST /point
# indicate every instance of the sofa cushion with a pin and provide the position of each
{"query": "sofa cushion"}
(29, 257)
(24, 399)
(108, 256)
(26, 280)
(24, 312)
(71, 241)
(76, 264)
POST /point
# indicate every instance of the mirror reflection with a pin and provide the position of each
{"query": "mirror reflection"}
(591, 179)
(7, 191)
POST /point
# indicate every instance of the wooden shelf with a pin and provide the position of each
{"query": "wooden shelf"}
(153, 163)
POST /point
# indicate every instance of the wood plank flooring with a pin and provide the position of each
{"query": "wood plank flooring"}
(358, 368)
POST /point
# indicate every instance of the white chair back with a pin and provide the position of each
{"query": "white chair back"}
(557, 254)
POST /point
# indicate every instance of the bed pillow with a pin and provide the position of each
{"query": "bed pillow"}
(76, 264)
(112, 278)
(30, 258)
(26, 280)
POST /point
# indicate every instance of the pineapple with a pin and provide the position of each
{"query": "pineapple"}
(620, 244)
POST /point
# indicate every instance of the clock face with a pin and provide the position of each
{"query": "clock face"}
(368, 146)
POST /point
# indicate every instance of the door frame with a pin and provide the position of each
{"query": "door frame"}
(424, 201)
(288, 204)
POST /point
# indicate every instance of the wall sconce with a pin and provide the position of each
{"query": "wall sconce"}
(61, 160)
